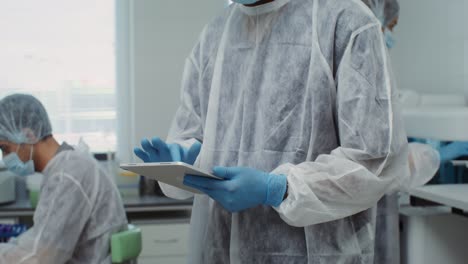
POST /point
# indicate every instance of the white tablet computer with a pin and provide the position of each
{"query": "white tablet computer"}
(171, 173)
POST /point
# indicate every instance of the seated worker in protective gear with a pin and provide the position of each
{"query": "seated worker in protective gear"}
(79, 206)
(292, 103)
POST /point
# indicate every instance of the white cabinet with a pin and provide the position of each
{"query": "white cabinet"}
(162, 260)
(430, 237)
(164, 243)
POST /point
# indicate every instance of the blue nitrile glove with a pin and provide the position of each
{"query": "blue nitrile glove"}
(453, 151)
(179, 153)
(159, 151)
(242, 188)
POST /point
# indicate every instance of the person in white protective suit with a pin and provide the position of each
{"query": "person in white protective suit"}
(79, 206)
(423, 159)
(292, 103)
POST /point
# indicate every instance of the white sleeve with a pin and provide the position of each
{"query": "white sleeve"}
(424, 161)
(372, 157)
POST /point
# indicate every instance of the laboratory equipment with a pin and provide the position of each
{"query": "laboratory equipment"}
(128, 183)
(126, 245)
(8, 232)
(33, 185)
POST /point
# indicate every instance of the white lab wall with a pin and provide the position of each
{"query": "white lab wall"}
(431, 52)
(161, 35)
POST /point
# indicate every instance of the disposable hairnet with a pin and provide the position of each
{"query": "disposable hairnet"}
(78, 211)
(23, 119)
(300, 88)
(385, 10)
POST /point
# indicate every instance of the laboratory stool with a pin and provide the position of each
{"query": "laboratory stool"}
(126, 245)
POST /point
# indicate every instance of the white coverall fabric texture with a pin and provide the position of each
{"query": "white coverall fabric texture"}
(78, 211)
(301, 88)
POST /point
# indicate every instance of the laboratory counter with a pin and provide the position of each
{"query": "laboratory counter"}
(138, 208)
(164, 223)
(434, 227)
(453, 196)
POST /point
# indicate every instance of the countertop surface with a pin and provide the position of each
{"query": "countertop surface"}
(452, 195)
(136, 204)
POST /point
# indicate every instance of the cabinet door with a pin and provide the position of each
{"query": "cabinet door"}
(162, 260)
(165, 240)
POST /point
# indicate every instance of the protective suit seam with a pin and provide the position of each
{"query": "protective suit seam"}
(286, 118)
(68, 176)
(316, 40)
(214, 51)
(192, 61)
(388, 85)
(98, 234)
(360, 74)
(354, 35)
(41, 230)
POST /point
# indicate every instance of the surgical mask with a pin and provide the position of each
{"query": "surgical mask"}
(245, 2)
(14, 164)
(389, 39)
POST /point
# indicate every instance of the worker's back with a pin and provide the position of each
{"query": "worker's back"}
(78, 211)
(100, 216)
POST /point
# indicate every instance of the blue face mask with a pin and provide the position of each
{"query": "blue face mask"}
(17, 166)
(245, 2)
(389, 39)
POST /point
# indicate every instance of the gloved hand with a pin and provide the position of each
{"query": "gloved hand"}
(242, 188)
(453, 151)
(159, 151)
(179, 153)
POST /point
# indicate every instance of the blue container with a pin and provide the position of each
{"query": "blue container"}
(8, 232)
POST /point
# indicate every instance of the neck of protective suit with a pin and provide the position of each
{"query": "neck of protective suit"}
(245, 2)
(17, 166)
(263, 9)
